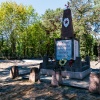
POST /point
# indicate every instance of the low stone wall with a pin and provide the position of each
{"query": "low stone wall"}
(76, 75)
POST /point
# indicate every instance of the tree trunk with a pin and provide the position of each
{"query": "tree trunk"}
(98, 48)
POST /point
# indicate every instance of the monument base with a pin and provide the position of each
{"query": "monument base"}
(76, 75)
(68, 74)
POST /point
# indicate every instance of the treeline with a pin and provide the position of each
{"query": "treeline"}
(25, 34)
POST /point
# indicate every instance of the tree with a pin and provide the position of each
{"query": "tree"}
(95, 22)
(14, 20)
(52, 25)
(82, 13)
(37, 39)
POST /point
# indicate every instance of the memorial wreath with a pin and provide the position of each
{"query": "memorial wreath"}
(62, 62)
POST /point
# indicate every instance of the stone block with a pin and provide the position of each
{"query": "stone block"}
(59, 77)
(78, 63)
(34, 75)
(94, 84)
(54, 81)
(14, 72)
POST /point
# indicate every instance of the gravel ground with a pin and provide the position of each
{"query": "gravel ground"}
(95, 64)
(21, 89)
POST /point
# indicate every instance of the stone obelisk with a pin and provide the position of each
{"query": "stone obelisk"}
(67, 26)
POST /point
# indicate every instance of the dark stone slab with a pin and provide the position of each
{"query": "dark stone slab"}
(78, 62)
(45, 61)
(87, 59)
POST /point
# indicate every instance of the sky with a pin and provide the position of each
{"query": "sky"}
(40, 6)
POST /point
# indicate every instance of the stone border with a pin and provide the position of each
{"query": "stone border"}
(69, 74)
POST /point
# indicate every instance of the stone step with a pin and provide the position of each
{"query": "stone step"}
(70, 82)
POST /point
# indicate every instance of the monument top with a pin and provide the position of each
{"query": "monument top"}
(67, 6)
(67, 26)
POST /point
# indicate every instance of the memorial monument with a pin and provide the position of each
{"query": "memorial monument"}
(67, 47)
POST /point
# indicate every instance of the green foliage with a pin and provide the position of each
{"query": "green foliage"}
(37, 39)
(24, 34)
(82, 17)
(52, 25)
(95, 21)
(14, 20)
(51, 21)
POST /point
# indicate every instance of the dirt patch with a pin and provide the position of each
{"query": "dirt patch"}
(43, 91)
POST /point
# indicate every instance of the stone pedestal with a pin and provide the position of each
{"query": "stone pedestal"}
(14, 72)
(34, 75)
(94, 85)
